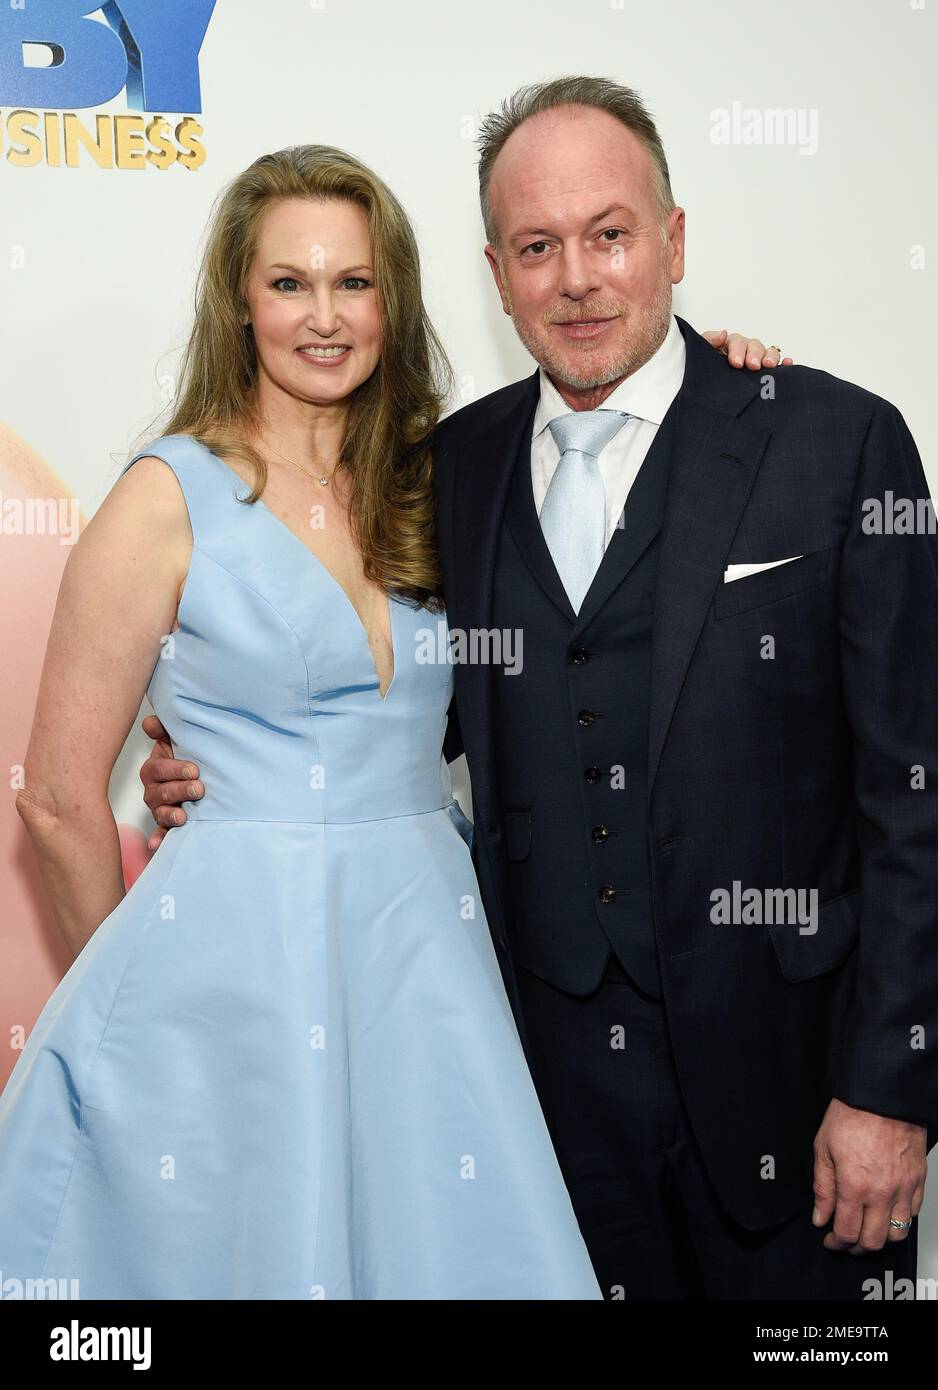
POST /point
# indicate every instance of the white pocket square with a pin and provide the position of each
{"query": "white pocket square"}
(742, 571)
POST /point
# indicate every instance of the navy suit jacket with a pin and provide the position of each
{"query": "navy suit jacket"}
(790, 713)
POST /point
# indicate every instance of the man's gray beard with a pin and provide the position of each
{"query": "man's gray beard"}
(652, 326)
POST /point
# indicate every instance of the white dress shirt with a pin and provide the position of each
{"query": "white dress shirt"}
(646, 394)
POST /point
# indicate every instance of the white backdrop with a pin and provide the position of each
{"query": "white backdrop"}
(821, 243)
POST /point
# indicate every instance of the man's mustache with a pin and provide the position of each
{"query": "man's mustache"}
(596, 311)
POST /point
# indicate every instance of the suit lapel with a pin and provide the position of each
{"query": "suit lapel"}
(713, 468)
(641, 521)
(522, 519)
(480, 492)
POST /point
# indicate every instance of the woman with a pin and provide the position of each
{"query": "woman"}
(283, 1065)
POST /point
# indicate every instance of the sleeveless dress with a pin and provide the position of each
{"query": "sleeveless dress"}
(285, 1065)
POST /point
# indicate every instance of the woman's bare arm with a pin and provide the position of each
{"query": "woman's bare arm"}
(117, 600)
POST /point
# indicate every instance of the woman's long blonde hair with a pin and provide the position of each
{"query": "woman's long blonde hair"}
(391, 416)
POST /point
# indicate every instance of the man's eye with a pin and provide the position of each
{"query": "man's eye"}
(285, 280)
(615, 231)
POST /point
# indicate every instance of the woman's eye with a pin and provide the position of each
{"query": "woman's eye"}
(356, 280)
(285, 280)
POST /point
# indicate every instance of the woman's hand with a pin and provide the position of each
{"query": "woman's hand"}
(740, 350)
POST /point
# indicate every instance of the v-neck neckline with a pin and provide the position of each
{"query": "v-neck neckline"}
(329, 575)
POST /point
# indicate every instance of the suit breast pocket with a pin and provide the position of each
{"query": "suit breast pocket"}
(768, 586)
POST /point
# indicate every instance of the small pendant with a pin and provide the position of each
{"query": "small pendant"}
(324, 482)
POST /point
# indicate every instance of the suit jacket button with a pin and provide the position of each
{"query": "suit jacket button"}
(600, 833)
(579, 656)
(585, 716)
(592, 774)
(607, 893)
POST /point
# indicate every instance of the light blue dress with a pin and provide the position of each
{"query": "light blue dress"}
(285, 1066)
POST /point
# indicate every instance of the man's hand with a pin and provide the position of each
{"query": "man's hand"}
(167, 782)
(742, 350)
(867, 1168)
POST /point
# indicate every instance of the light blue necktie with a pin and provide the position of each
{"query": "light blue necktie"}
(573, 514)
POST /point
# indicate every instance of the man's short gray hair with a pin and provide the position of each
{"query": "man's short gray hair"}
(599, 92)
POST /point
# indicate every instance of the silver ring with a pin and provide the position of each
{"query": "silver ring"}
(900, 1225)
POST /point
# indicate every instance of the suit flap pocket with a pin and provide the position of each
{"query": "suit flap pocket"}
(517, 833)
(769, 585)
(803, 954)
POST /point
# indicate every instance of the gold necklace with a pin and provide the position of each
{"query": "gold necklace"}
(324, 479)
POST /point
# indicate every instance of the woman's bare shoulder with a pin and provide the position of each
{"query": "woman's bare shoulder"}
(150, 492)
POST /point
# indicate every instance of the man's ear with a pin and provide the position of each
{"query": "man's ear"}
(675, 228)
(491, 255)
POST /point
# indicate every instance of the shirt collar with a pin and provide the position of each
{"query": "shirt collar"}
(647, 393)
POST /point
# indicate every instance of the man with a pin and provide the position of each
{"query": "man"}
(725, 707)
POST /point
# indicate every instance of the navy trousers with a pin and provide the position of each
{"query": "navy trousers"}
(651, 1219)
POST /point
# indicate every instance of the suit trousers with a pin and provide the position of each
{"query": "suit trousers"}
(652, 1222)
